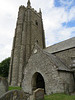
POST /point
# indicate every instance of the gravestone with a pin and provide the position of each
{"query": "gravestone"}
(15, 95)
(38, 94)
(3, 85)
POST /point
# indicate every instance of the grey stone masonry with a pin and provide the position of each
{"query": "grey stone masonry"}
(3, 85)
(15, 95)
(47, 65)
(29, 29)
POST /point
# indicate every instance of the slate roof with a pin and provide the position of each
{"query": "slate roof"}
(55, 60)
(58, 63)
(67, 44)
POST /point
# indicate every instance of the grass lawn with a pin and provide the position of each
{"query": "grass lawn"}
(59, 97)
(14, 88)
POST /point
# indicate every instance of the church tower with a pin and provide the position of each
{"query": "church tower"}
(29, 30)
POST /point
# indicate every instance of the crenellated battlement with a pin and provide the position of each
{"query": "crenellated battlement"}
(22, 6)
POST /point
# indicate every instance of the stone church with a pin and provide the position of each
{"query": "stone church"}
(33, 65)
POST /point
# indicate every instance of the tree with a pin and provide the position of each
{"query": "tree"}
(4, 67)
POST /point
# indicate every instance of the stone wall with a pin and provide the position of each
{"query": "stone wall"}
(3, 85)
(45, 65)
(67, 81)
(14, 95)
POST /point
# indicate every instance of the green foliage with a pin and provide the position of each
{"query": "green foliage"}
(14, 88)
(4, 67)
(59, 97)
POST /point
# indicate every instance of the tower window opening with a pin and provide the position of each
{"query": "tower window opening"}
(36, 22)
(36, 41)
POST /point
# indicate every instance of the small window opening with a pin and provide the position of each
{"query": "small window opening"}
(37, 41)
(36, 22)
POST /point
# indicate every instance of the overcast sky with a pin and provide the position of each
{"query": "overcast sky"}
(58, 20)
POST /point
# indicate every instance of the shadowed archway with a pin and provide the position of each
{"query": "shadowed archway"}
(37, 81)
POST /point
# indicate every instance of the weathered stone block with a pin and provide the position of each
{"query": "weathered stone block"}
(3, 85)
(38, 94)
(15, 95)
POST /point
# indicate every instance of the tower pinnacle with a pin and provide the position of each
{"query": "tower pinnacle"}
(28, 4)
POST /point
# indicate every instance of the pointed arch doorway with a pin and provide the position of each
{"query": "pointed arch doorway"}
(37, 81)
